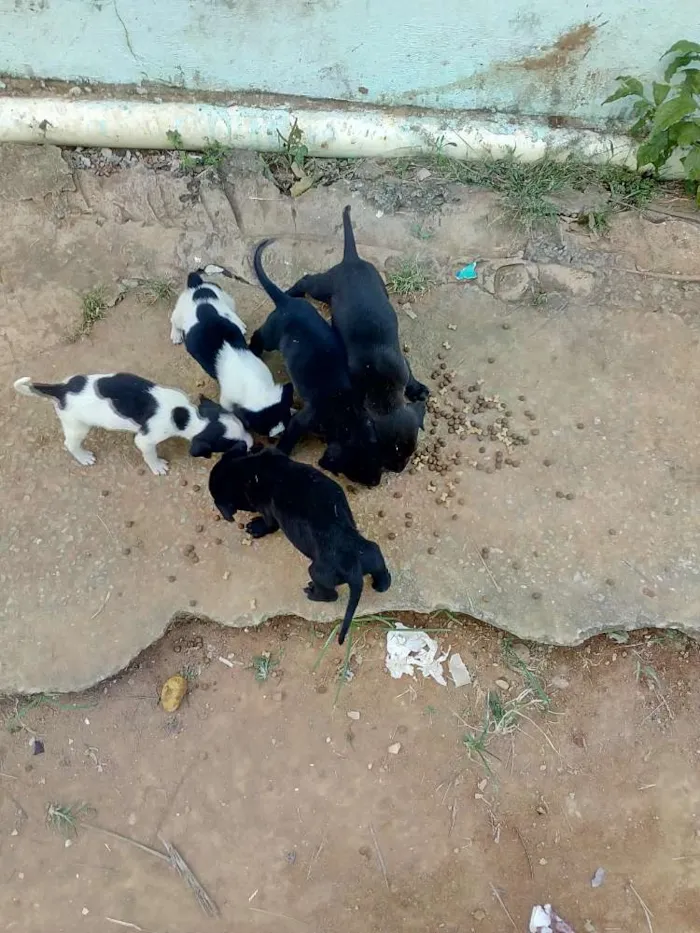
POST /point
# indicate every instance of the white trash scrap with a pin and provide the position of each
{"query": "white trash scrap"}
(547, 920)
(409, 649)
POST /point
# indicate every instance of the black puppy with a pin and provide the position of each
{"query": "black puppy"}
(366, 321)
(312, 511)
(317, 365)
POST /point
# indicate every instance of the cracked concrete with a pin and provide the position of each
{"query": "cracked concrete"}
(594, 529)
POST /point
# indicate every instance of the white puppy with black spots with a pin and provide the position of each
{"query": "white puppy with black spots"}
(205, 319)
(154, 413)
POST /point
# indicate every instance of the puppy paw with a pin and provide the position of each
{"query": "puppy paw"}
(159, 466)
(257, 528)
(84, 457)
(176, 338)
(319, 596)
(417, 392)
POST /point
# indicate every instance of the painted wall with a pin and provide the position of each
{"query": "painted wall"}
(538, 57)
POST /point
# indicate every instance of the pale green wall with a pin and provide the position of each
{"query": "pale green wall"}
(539, 57)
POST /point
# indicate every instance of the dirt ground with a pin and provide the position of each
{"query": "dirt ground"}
(286, 803)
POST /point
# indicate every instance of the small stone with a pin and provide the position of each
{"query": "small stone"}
(353, 714)
(543, 861)
(503, 684)
(479, 914)
(547, 462)
(409, 514)
(381, 513)
(612, 531)
(218, 540)
(395, 748)
(521, 398)
(485, 552)
(609, 581)
(491, 359)
(397, 495)
(505, 325)
(85, 911)
(431, 550)
(647, 590)
(105, 493)
(559, 494)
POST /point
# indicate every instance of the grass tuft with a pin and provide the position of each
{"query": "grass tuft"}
(154, 291)
(65, 819)
(93, 309)
(263, 665)
(410, 277)
(524, 186)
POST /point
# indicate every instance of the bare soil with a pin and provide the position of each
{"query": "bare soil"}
(295, 816)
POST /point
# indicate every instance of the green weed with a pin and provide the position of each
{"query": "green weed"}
(93, 308)
(410, 277)
(153, 291)
(263, 665)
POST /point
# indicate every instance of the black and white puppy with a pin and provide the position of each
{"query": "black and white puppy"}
(312, 511)
(124, 402)
(366, 321)
(205, 317)
(317, 365)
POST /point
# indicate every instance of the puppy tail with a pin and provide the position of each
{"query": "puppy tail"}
(25, 386)
(349, 249)
(274, 291)
(355, 584)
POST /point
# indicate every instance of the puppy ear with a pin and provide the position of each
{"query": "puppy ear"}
(419, 410)
(243, 416)
(331, 459)
(287, 394)
(200, 448)
(237, 449)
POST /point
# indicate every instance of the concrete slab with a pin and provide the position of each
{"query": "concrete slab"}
(574, 515)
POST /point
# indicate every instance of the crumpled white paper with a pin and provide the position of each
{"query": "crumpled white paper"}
(408, 649)
(546, 920)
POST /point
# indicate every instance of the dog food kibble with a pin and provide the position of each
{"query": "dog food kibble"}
(381, 513)
(454, 517)
(570, 496)
(534, 431)
(491, 359)
(505, 325)
(409, 515)
(172, 578)
(521, 398)
(485, 552)
(609, 581)
(431, 550)
(612, 531)
(188, 549)
(217, 516)
(530, 415)
(648, 592)
(580, 425)
(218, 540)
(397, 495)
(126, 551)
(441, 356)
(408, 523)
(240, 525)
(199, 528)
(536, 595)
(183, 482)
(129, 523)
(559, 494)
(547, 462)
(105, 492)
(443, 365)
(392, 535)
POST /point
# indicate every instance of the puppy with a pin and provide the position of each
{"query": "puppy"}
(205, 317)
(366, 322)
(312, 511)
(123, 402)
(317, 365)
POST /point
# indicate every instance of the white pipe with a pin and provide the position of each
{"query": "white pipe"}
(335, 133)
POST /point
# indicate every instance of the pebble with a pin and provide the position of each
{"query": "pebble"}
(503, 684)
(395, 748)
(491, 359)
(647, 590)
(199, 528)
(431, 550)
(612, 531)
(105, 492)
(547, 462)
(353, 714)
